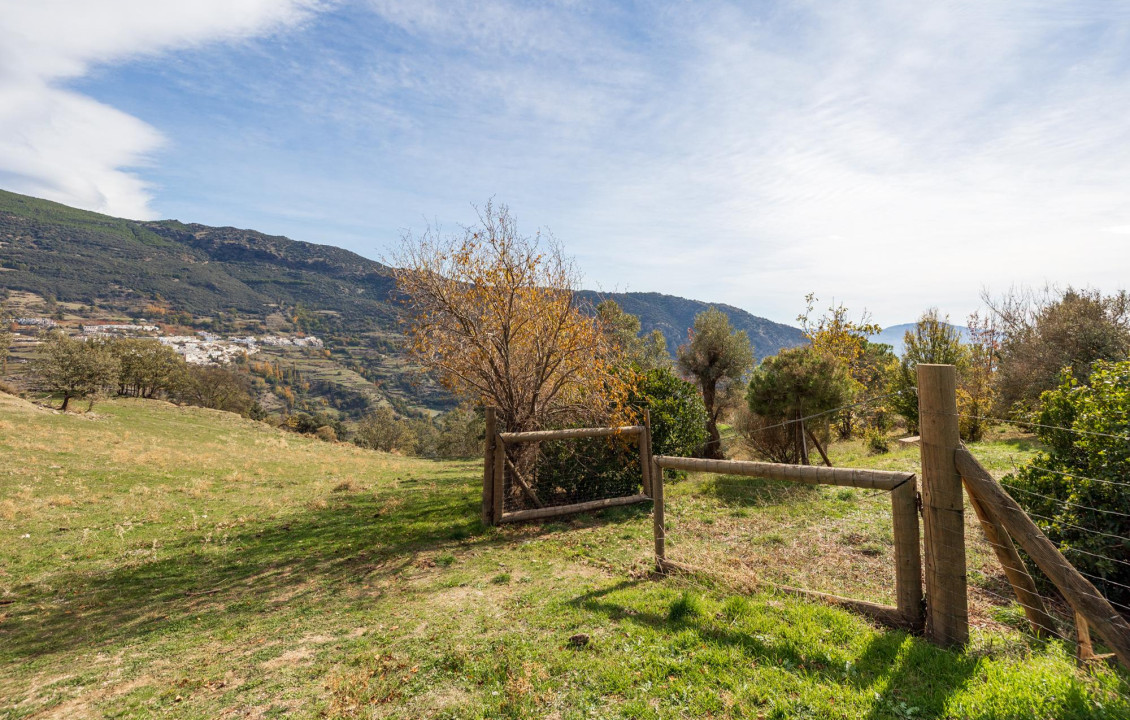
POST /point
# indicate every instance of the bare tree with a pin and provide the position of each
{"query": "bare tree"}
(495, 316)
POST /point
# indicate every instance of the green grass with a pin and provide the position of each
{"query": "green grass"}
(176, 562)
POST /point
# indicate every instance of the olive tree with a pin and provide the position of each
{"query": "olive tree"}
(716, 356)
(74, 368)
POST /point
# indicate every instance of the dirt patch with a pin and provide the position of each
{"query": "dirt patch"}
(290, 658)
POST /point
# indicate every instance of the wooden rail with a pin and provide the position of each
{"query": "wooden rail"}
(546, 512)
(569, 433)
(1078, 590)
(807, 474)
(909, 613)
(497, 465)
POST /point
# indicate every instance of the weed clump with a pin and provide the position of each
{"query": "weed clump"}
(686, 607)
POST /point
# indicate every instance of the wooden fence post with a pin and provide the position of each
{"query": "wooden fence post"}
(943, 516)
(657, 516)
(488, 467)
(645, 453)
(908, 555)
(498, 495)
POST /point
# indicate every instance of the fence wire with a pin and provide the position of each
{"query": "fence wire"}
(570, 471)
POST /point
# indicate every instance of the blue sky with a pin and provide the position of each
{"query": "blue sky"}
(890, 155)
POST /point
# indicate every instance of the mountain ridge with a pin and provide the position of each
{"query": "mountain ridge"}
(231, 279)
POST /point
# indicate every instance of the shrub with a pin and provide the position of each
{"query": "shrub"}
(214, 387)
(1077, 488)
(326, 433)
(876, 441)
(796, 382)
(678, 415)
(380, 430)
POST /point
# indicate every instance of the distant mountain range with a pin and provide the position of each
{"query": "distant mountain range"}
(231, 280)
(894, 335)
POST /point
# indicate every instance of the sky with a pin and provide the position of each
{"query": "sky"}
(891, 156)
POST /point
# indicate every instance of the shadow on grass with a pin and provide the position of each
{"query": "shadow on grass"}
(733, 490)
(349, 545)
(911, 677)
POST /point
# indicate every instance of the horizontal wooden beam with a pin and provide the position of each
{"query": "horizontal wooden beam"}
(569, 433)
(810, 475)
(545, 512)
(884, 614)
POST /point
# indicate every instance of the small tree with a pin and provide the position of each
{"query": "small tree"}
(5, 346)
(1042, 333)
(678, 415)
(837, 336)
(495, 316)
(932, 341)
(381, 430)
(643, 353)
(215, 387)
(786, 388)
(715, 355)
(74, 368)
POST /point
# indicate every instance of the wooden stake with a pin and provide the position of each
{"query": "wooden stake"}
(947, 602)
(525, 486)
(657, 517)
(1023, 586)
(1076, 589)
(488, 467)
(819, 448)
(1084, 650)
(908, 557)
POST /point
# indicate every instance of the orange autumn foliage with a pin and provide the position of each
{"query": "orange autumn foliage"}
(495, 317)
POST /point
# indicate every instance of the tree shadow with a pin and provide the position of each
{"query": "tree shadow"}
(913, 679)
(348, 545)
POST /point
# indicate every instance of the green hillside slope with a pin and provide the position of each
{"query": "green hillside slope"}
(230, 280)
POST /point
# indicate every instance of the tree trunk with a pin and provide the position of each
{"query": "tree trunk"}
(66, 401)
(713, 449)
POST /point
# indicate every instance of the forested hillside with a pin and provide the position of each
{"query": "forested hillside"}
(231, 280)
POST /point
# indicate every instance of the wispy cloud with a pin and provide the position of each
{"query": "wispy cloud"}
(893, 155)
(62, 145)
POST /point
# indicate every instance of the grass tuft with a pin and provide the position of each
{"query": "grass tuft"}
(685, 607)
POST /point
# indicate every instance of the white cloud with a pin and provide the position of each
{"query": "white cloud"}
(59, 144)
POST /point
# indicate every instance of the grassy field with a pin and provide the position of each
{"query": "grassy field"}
(158, 561)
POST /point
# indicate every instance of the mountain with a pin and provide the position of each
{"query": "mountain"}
(675, 315)
(894, 334)
(88, 266)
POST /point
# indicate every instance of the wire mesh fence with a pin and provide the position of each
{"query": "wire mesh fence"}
(571, 471)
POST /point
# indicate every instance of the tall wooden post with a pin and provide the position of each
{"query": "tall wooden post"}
(657, 516)
(908, 554)
(645, 452)
(947, 603)
(498, 495)
(488, 467)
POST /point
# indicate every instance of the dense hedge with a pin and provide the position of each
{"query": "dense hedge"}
(1078, 490)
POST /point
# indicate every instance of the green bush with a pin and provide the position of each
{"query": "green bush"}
(678, 415)
(1077, 490)
(593, 468)
(877, 441)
